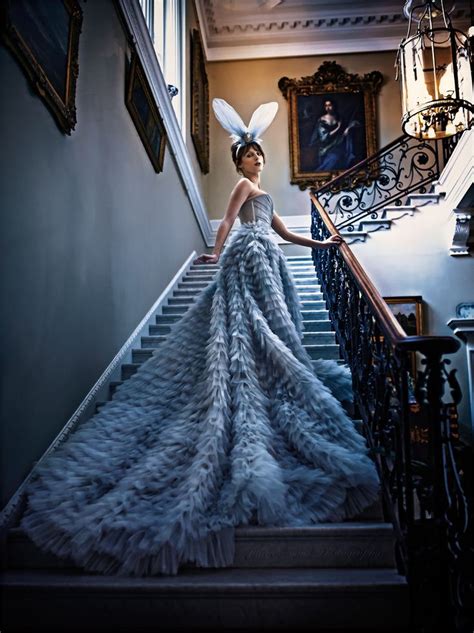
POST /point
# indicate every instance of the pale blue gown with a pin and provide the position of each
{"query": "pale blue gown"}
(225, 425)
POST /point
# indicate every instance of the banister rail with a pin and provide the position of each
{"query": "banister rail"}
(404, 394)
(385, 179)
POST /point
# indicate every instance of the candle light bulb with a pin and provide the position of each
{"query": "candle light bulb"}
(450, 129)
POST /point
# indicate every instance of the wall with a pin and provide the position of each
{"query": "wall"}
(247, 84)
(425, 269)
(90, 236)
(191, 24)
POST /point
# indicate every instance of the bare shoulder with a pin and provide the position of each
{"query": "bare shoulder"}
(243, 187)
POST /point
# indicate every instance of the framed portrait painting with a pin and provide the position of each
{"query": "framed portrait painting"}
(44, 38)
(144, 112)
(409, 313)
(199, 102)
(332, 122)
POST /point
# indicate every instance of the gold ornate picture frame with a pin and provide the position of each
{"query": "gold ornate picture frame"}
(44, 38)
(332, 122)
(199, 102)
(144, 113)
(409, 313)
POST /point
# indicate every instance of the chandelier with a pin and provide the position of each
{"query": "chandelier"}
(434, 68)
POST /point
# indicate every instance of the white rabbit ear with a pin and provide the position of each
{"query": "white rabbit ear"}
(229, 119)
(261, 119)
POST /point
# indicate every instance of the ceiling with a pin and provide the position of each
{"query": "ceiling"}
(253, 29)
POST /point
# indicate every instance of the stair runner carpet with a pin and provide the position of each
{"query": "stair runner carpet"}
(326, 577)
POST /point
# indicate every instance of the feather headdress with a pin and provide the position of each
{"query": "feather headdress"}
(239, 132)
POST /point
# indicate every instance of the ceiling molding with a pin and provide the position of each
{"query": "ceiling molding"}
(252, 29)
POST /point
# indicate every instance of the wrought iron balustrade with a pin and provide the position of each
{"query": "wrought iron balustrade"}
(405, 166)
(408, 428)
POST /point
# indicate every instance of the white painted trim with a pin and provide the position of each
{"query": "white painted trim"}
(99, 392)
(137, 27)
(457, 177)
(216, 53)
(300, 224)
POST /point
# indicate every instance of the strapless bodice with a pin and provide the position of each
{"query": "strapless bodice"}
(259, 208)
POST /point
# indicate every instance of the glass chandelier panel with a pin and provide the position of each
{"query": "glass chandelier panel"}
(435, 72)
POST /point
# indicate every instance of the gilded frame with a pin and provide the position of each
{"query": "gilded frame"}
(144, 112)
(329, 83)
(199, 102)
(402, 308)
(25, 32)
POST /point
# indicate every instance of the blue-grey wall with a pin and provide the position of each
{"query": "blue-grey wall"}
(90, 236)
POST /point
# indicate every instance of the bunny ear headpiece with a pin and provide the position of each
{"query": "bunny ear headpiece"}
(231, 121)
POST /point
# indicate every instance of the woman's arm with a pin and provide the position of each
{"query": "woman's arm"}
(237, 198)
(279, 227)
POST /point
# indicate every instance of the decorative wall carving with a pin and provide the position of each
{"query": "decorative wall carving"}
(463, 237)
(245, 29)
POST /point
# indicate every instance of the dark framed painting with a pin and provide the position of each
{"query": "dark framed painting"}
(144, 112)
(44, 38)
(409, 313)
(332, 122)
(199, 102)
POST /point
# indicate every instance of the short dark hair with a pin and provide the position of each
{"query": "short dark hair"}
(237, 152)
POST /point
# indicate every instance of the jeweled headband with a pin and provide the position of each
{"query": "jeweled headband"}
(240, 133)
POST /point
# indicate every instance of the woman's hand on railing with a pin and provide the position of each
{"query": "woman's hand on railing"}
(334, 240)
(206, 259)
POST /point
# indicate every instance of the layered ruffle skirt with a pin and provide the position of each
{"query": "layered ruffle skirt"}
(225, 425)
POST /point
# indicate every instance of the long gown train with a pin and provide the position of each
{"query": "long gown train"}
(225, 425)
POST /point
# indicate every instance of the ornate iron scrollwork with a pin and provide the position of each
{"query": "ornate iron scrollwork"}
(422, 483)
(387, 178)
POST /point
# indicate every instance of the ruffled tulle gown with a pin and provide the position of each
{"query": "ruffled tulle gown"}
(225, 425)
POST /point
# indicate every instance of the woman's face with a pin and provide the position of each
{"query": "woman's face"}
(252, 161)
(329, 107)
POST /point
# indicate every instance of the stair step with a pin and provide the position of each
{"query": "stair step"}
(420, 199)
(174, 309)
(208, 601)
(187, 292)
(191, 284)
(156, 330)
(307, 305)
(152, 342)
(307, 282)
(317, 326)
(141, 355)
(196, 275)
(206, 267)
(319, 338)
(326, 545)
(314, 315)
(167, 318)
(128, 369)
(113, 386)
(307, 294)
(183, 301)
(326, 352)
(309, 289)
(371, 226)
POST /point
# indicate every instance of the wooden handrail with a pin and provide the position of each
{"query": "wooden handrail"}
(391, 327)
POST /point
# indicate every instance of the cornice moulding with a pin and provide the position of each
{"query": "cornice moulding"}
(304, 28)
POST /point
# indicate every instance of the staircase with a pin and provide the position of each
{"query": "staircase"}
(360, 231)
(326, 577)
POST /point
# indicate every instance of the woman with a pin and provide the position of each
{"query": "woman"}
(335, 147)
(225, 425)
